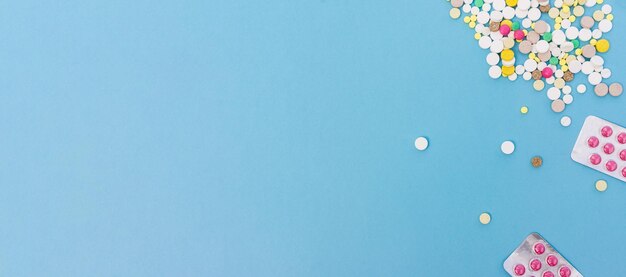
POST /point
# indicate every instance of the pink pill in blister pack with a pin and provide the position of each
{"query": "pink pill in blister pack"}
(601, 145)
(535, 257)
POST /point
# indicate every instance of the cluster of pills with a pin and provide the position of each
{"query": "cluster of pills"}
(551, 54)
(536, 257)
(601, 145)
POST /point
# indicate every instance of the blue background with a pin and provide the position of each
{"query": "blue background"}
(275, 138)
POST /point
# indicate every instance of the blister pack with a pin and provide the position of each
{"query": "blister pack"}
(601, 145)
(535, 257)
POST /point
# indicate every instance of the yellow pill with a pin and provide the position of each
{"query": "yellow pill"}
(579, 51)
(484, 218)
(601, 185)
(472, 24)
(558, 20)
(609, 17)
(477, 36)
(523, 110)
(564, 68)
(593, 41)
(603, 46)
(572, 19)
(473, 17)
(557, 26)
(508, 70)
(466, 19)
(507, 23)
(511, 3)
(507, 55)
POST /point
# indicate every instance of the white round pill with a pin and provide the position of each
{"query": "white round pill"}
(566, 121)
(581, 88)
(554, 93)
(568, 99)
(507, 147)
(493, 59)
(495, 72)
(595, 78)
(421, 143)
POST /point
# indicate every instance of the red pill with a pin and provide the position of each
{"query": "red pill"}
(505, 30)
(552, 260)
(519, 35)
(535, 264)
(621, 138)
(624, 172)
(539, 248)
(622, 155)
(606, 131)
(593, 142)
(564, 271)
(609, 148)
(547, 274)
(547, 72)
(611, 166)
(595, 159)
(519, 270)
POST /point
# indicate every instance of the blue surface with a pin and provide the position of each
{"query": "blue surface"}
(233, 138)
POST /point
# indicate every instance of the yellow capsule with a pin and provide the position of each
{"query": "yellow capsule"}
(532, 56)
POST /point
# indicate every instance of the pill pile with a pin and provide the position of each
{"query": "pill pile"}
(536, 257)
(548, 53)
(601, 145)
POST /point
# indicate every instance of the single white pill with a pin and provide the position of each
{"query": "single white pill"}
(507, 147)
(566, 121)
(421, 143)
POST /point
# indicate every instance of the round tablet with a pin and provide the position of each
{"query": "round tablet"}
(484, 218)
(523, 110)
(566, 121)
(558, 106)
(601, 89)
(507, 147)
(601, 185)
(421, 143)
(455, 13)
(493, 59)
(568, 99)
(616, 89)
(538, 85)
(595, 78)
(495, 72)
(542, 46)
(536, 161)
(605, 26)
(554, 93)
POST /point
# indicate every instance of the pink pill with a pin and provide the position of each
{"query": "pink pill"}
(606, 131)
(535, 264)
(611, 166)
(519, 35)
(547, 274)
(593, 142)
(564, 271)
(539, 248)
(595, 159)
(505, 30)
(621, 138)
(609, 148)
(622, 155)
(552, 260)
(624, 172)
(547, 72)
(519, 270)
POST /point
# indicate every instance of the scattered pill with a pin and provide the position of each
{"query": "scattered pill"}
(536, 161)
(484, 218)
(566, 121)
(523, 110)
(421, 143)
(601, 185)
(507, 147)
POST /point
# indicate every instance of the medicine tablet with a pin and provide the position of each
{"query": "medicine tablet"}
(523, 110)
(421, 143)
(484, 218)
(507, 147)
(566, 121)
(616, 89)
(581, 88)
(536, 162)
(601, 185)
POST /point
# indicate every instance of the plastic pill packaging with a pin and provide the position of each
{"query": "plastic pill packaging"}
(601, 145)
(535, 257)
